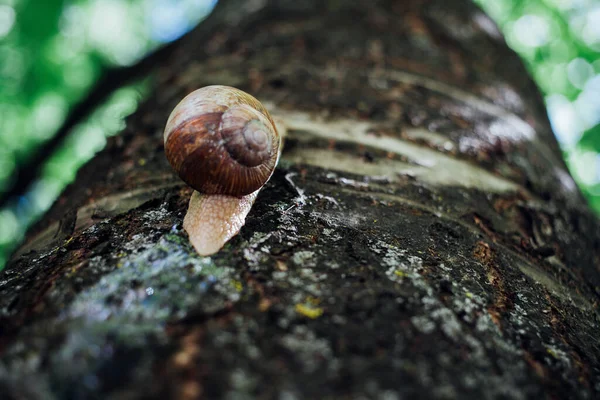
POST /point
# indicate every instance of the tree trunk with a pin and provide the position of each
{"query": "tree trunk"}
(421, 236)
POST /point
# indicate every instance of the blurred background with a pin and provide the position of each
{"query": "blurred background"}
(52, 52)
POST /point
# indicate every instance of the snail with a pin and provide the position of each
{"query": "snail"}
(224, 144)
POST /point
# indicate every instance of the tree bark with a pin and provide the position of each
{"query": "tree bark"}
(421, 236)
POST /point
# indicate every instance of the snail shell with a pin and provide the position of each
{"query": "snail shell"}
(221, 140)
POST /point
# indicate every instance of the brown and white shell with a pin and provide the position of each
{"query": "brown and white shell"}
(221, 140)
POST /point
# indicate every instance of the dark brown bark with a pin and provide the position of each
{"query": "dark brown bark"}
(420, 238)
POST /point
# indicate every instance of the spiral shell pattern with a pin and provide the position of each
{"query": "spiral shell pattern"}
(221, 140)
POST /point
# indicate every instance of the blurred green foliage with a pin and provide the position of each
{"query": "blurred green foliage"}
(559, 40)
(52, 51)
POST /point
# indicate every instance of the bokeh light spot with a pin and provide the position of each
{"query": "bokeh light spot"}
(49, 111)
(579, 72)
(532, 30)
(10, 226)
(7, 19)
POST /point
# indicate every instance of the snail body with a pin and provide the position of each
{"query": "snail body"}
(224, 144)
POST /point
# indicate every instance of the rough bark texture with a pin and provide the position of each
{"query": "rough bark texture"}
(421, 236)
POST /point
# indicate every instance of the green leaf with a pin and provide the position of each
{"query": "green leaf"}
(590, 139)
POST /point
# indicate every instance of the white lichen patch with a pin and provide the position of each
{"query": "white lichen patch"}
(331, 234)
(405, 269)
(149, 281)
(400, 266)
(334, 218)
(311, 350)
(256, 253)
(432, 166)
(423, 323)
(151, 217)
(304, 258)
(136, 243)
(556, 354)
(471, 305)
